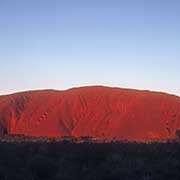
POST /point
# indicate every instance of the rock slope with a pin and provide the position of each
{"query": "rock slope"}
(97, 111)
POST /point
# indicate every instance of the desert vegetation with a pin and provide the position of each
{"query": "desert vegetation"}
(25, 158)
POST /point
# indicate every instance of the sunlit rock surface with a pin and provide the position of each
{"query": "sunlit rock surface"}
(96, 111)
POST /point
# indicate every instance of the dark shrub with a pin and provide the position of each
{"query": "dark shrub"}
(42, 167)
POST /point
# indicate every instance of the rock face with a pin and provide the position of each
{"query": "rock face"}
(97, 111)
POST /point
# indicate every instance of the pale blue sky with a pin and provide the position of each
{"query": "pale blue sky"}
(59, 44)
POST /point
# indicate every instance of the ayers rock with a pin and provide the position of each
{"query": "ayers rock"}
(97, 111)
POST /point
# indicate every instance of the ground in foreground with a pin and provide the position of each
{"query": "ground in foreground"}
(23, 158)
